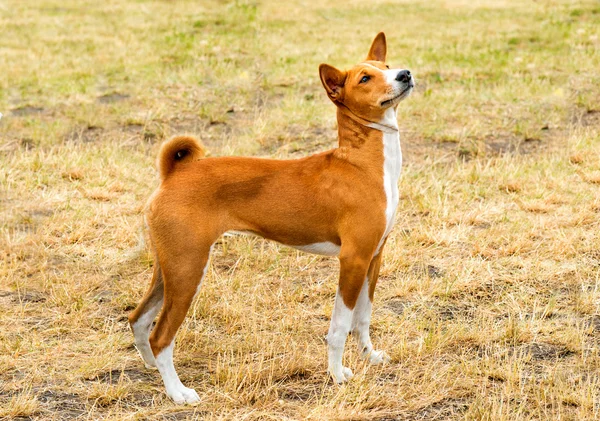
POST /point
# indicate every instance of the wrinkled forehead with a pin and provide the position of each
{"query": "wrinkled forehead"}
(368, 67)
(377, 64)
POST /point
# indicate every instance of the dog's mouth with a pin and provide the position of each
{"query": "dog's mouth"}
(405, 92)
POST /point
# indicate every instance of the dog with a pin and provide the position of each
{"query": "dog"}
(336, 203)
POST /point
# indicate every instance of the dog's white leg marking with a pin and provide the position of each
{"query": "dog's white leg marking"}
(341, 321)
(175, 389)
(141, 333)
(361, 321)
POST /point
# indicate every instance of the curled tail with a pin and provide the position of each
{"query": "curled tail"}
(176, 150)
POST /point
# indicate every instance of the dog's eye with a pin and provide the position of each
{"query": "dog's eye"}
(365, 79)
(387, 66)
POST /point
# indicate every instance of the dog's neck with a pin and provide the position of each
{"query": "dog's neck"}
(356, 132)
(389, 123)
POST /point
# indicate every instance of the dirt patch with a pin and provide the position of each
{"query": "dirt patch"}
(85, 134)
(151, 133)
(397, 306)
(484, 291)
(586, 118)
(299, 375)
(17, 297)
(69, 409)
(114, 376)
(514, 145)
(387, 378)
(6, 298)
(445, 409)
(295, 394)
(543, 351)
(190, 125)
(26, 111)
(41, 212)
(451, 312)
(494, 144)
(591, 118)
(502, 145)
(132, 127)
(429, 271)
(65, 406)
(27, 143)
(110, 98)
(594, 322)
(416, 149)
(29, 297)
(185, 415)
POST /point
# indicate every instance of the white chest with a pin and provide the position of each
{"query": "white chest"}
(392, 166)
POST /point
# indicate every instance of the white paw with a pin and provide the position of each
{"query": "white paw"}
(341, 375)
(183, 395)
(378, 357)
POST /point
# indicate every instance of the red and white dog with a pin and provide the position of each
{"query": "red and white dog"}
(338, 203)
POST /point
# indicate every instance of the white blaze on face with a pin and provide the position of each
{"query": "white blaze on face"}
(395, 86)
(390, 76)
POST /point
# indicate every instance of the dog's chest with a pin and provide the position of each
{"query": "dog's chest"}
(392, 166)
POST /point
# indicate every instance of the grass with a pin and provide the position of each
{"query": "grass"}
(489, 302)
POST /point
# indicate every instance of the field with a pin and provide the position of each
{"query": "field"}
(489, 299)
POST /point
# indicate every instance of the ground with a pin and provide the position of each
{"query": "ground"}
(489, 298)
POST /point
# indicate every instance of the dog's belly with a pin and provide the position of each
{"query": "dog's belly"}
(325, 248)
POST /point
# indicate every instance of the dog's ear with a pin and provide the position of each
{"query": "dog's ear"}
(333, 80)
(378, 49)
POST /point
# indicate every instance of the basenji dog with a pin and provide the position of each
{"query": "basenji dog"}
(336, 203)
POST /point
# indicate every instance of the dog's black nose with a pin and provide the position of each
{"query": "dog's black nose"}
(403, 76)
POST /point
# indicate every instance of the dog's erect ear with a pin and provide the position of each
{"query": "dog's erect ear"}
(378, 48)
(333, 80)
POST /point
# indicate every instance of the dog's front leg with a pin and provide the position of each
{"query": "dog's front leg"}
(341, 320)
(361, 317)
(353, 271)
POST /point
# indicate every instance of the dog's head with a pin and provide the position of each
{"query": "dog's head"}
(369, 88)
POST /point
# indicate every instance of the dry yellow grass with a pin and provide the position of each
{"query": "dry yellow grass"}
(489, 300)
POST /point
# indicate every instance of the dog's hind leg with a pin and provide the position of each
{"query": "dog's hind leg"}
(142, 317)
(183, 272)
